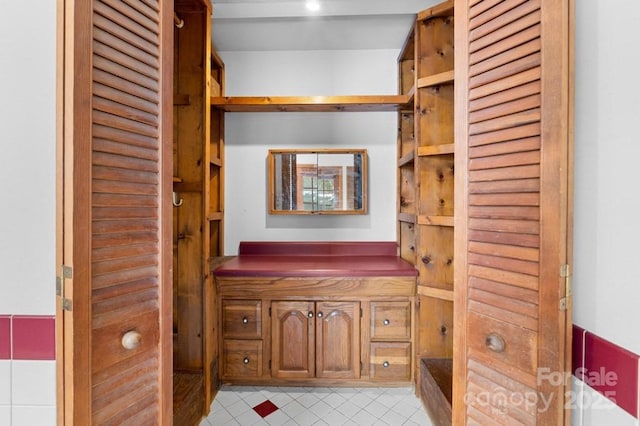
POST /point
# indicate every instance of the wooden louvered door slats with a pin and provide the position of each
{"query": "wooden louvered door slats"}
(512, 144)
(117, 181)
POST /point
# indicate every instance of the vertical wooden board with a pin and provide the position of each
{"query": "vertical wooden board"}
(214, 236)
(435, 329)
(216, 133)
(407, 132)
(406, 64)
(436, 185)
(190, 168)
(435, 45)
(214, 188)
(407, 189)
(189, 306)
(435, 115)
(408, 242)
(435, 256)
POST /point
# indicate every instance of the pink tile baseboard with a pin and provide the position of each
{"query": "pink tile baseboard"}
(5, 337)
(607, 368)
(33, 337)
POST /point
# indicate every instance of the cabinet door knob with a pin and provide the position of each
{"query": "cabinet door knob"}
(385, 364)
(320, 314)
(131, 339)
(245, 360)
(386, 322)
(245, 320)
(495, 343)
(310, 314)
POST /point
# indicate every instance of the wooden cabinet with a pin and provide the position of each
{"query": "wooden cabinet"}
(315, 339)
(321, 331)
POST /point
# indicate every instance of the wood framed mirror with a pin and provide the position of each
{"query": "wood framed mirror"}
(317, 181)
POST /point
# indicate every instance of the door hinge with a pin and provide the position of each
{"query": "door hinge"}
(565, 272)
(66, 272)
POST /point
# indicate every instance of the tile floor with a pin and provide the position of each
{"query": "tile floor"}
(245, 405)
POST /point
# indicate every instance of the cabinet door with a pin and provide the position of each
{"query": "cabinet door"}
(292, 339)
(513, 162)
(338, 340)
(114, 218)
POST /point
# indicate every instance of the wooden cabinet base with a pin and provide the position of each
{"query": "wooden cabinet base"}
(319, 331)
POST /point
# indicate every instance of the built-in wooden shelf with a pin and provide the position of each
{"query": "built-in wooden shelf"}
(435, 220)
(406, 159)
(436, 79)
(438, 293)
(365, 103)
(407, 217)
(215, 216)
(436, 150)
(216, 161)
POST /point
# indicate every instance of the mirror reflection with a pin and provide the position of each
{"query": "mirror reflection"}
(317, 181)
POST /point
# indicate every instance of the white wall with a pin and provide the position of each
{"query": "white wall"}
(607, 175)
(27, 157)
(27, 217)
(607, 171)
(249, 136)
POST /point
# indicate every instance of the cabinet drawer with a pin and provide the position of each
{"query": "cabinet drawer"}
(242, 319)
(242, 358)
(391, 320)
(391, 361)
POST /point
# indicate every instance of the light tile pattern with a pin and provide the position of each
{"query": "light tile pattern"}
(301, 406)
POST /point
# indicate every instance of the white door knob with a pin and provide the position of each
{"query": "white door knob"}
(131, 339)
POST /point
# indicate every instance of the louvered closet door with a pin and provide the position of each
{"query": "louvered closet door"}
(512, 203)
(117, 174)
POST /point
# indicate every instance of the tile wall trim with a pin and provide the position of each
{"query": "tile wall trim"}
(609, 369)
(5, 337)
(27, 337)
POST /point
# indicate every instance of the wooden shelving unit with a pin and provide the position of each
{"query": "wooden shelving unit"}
(365, 103)
(198, 220)
(426, 178)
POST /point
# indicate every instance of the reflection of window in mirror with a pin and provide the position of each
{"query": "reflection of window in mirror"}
(317, 181)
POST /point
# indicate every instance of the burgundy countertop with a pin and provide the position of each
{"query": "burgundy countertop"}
(317, 259)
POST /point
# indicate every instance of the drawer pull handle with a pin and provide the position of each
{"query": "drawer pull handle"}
(310, 314)
(386, 322)
(385, 364)
(495, 343)
(245, 320)
(320, 314)
(131, 340)
(245, 360)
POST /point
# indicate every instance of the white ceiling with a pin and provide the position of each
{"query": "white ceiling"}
(255, 25)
